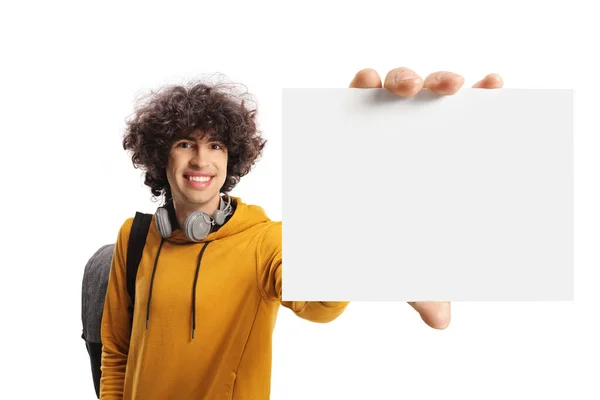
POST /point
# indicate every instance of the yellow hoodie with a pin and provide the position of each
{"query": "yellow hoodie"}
(216, 347)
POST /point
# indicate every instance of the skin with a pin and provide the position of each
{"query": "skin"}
(201, 154)
(405, 82)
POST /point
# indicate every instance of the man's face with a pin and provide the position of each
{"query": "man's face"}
(196, 171)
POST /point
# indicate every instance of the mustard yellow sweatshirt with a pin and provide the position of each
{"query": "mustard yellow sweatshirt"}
(204, 329)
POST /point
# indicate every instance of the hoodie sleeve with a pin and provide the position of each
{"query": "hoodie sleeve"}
(115, 322)
(269, 275)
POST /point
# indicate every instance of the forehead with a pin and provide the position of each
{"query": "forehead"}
(200, 135)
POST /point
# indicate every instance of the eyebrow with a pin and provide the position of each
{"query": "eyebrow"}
(193, 138)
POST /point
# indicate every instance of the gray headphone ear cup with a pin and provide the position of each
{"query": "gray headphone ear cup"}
(219, 217)
(197, 226)
(163, 223)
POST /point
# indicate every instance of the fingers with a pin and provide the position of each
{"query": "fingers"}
(366, 78)
(444, 82)
(491, 81)
(403, 82)
(436, 314)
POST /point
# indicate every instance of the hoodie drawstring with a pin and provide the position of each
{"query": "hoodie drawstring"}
(152, 282)
(194, 290)
(193, 293)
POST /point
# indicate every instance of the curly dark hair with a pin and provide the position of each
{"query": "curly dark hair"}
(174, 112)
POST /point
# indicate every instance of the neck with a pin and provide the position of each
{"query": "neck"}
(182, 210)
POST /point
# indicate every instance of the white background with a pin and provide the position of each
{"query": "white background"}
(70, 71)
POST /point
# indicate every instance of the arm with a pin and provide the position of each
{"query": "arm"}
(269, 276)
(116, 323)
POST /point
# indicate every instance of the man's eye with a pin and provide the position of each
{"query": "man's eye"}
(216, 146)
(184, 145)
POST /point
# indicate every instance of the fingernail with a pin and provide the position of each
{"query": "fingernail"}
(405, 76)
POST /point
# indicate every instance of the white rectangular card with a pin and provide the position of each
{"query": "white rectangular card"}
(466, 197)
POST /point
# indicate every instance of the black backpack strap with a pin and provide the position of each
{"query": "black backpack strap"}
(137, 241)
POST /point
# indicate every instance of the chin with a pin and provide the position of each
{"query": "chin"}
(202, 198)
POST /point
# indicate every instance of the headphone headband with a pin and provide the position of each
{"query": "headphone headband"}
(198, 224)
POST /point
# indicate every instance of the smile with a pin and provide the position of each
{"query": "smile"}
(198, 178)
(198, 182)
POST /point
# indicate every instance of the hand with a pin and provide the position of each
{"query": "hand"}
(405, 82)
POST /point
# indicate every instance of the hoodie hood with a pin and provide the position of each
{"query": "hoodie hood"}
(244, 216)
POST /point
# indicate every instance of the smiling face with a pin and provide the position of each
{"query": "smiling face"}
(196, 171)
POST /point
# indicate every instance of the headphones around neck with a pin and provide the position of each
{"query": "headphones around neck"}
(197, 225)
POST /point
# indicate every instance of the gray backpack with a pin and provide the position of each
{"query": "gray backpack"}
(95, 281)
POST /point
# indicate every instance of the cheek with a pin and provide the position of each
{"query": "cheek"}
(170, 162)
(173, 165)
(223, 163)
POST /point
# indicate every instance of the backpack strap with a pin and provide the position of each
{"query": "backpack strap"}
(137, 241)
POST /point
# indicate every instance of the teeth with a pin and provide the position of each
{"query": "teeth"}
(199, 178)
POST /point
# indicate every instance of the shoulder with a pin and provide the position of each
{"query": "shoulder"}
(253, 218)
(272, 230)
(270, 236)
(125, 228)
(127, 225)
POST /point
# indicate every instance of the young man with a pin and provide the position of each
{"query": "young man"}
(208, 288)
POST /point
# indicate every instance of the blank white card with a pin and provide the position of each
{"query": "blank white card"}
(466, 197)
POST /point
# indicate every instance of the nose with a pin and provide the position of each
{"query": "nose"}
(200, 157)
